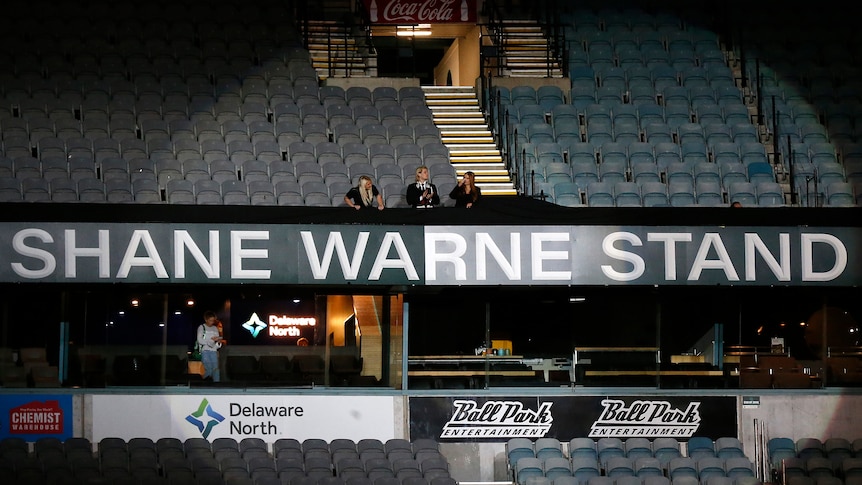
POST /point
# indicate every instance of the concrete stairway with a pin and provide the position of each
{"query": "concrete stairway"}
(335, 51)
(524, 51)
(465, 132)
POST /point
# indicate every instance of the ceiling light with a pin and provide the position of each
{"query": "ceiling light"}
(420, 30)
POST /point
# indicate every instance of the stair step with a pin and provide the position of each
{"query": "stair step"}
(457, 115)
(485, 176)
(486, 140)
(489, 151)
(498, 190)
(476, 159)
(464, 130)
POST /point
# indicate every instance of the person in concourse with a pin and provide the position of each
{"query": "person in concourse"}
(364, 195)
(210, 339)
(422, 194)
(466, 194)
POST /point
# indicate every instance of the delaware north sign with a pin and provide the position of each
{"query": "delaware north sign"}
(429, 255)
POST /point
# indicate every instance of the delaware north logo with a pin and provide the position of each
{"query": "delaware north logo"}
(254, 325)
(205, 418)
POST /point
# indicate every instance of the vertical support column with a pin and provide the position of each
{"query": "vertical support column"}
(63, 361)
(487, 344)
(164, 351)
(405, 329)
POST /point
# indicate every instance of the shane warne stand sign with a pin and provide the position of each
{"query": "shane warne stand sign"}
(314, 254)
(407, 12)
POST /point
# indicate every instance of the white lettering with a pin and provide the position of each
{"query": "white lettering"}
(637, 262)
(183, 240)
(539, 255)
(142, 238)
(101, 252)
(237, 254)
(669, 239)
(723, 262)
(422, 11)
(808, 273)
(458, 246)
(49, 263)
(320, 269)
(404, 262)
(484, 243)
(754, 245)
(292, 321)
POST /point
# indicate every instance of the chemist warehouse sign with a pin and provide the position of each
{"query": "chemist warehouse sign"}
(430, 255)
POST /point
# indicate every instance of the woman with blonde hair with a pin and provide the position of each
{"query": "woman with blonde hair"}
(422, 194)
(363, 195)
(466, 194)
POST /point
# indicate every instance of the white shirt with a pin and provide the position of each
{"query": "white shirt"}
(205, 337)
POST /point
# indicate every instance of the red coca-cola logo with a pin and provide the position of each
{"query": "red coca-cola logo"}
(419, 11)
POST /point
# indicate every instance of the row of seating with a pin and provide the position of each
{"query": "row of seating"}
(204, 190)
(649, 480)
(612, 28)
(69, 446)
(645, 159)
(651, 55)
(598, 133)
(394, 463)
(821, 466)
(839, 448)
(823, 480)
(248, 122)
(602, 449)
(679, 194)
(566, 120)
(182, 191)
(142, 180)
(584, 458)
(643, 113)
(203, 473)
(128, 161)
(37, 376)
(625, 92)
(33, 98)
(642, 467)
(318, 162)
(241, 160)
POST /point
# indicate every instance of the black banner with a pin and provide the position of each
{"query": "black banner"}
(488, 419)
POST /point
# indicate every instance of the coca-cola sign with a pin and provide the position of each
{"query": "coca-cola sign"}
(407, 12)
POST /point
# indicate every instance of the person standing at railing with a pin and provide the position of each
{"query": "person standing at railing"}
(422, 194)
(466, 194)
(364, 195)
